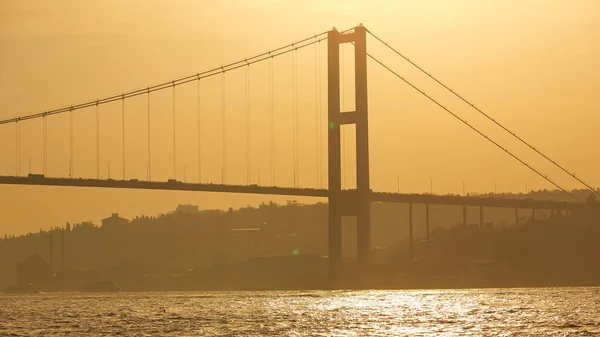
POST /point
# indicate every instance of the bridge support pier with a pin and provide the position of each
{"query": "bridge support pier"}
(348, 203)
(335, 236)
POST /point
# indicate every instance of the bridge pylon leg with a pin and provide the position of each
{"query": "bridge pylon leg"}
(344, 202)
(335, 237)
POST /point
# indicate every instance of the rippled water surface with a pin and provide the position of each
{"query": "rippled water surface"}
(479, 312)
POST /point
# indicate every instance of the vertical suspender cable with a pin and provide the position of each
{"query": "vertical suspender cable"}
(247, 124)
(317, 112)
(294, 117)
(320, 118)
(97, 142)
(71, 166)
(18, 147)
(199, 138)
(174, 137)
(223, 132)
(296, 121)
(45, 147)
(123, 130)
(149, 167)
(272, 121)
(343, 107)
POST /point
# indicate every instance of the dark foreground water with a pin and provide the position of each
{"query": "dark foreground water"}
(479, 312)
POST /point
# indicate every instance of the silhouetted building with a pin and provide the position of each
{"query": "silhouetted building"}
(187, 209)
(114, 221)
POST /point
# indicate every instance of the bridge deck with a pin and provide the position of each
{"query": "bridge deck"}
(305, 192)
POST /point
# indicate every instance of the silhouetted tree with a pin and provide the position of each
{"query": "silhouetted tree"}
(591, 199)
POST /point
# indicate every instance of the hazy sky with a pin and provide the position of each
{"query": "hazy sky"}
(531, 64)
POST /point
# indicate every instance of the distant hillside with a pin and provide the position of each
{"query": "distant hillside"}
(183, 241)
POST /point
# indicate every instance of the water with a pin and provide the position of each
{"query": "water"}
(478, 312)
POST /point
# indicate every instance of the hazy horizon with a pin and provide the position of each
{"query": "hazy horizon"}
(532, 65)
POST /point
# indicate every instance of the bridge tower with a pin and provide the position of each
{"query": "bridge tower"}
(348, 202)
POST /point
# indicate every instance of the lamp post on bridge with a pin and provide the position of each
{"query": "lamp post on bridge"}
(108, 169)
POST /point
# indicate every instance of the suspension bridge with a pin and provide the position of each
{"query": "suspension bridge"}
(342, 201)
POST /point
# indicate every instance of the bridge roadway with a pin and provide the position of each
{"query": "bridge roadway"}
(173, 185)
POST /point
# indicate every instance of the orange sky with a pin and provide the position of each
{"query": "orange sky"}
(531, 64)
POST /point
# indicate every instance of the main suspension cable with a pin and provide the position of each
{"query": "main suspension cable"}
(472, 127)
(180, 81)
(485, 114)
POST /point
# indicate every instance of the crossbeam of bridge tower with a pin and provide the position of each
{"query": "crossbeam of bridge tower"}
(348, 202)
